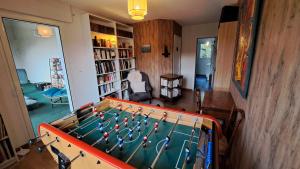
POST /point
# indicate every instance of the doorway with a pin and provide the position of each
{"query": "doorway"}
(204, 68)
(176, 55)
(38, 58)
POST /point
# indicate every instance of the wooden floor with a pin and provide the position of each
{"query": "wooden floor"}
(36, 160)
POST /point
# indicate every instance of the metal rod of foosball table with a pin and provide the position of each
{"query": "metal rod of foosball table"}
(101, 138)
(138, 147)
(41, 148)
(190, 143)
(79, 155)
(31, 141)
(89, 122)
(93, 130)
(112, 149)
(162, 147)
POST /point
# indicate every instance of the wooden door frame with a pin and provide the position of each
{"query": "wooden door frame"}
(11, 65)
(214, 57)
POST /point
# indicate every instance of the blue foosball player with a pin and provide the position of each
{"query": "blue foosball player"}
(120, 143)
(130, 133)
(100, 127)
(138, 126)
(146, 120)
(167, 141)
(187, 154)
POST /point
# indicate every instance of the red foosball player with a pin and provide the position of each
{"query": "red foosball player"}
(117, 127)
(145, 138)
(101, 115)
(126, 121)
(106, 135)
(133, 116)
(155, 127)
(165, 117)
(94, 110)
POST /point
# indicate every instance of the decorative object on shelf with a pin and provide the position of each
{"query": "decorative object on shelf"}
(166, 52)
(44, 31)
(137, 9)
(170, 86)
(56, 73)
(248, 26)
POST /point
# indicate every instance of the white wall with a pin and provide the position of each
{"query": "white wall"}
(31, 52)
(78, 54)
(190, 34)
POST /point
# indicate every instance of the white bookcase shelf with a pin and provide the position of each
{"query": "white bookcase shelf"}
(113, 55)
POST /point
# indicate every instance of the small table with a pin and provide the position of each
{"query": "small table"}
(218, 104)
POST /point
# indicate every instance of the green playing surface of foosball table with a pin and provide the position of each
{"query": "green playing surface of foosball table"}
(143, 157)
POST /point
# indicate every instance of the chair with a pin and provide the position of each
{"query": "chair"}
(236, 117)
(141, 96)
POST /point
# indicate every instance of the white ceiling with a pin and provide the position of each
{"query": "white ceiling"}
(185, 12)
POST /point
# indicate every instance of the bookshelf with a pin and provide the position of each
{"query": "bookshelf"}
(56, 73)
(113, 56)
(7, 152)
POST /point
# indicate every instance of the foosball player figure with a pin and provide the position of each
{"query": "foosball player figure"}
(130, 133)
(126, 121)
(187, 154)
(101, 115)
(138, 126)
(165, 116)
(117, 127)
(117, 117)
(146, 119)
(94, 110)
(145, 138)
(106, 135)
(120, 143)
(133, 116)
(167, 141)
(100, 127)
(155, 127)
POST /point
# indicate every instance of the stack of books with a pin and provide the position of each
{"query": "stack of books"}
(105, 67)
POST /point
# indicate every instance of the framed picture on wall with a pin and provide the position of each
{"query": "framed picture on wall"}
(245, 47)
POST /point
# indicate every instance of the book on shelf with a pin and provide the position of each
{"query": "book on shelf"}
(125, 53)
(107, 88)
(100, 54)
(125, 64)
(105, 67)
(124, 75)
(107, 78)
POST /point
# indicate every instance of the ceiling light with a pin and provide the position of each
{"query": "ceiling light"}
(137, 9)
(44, 31)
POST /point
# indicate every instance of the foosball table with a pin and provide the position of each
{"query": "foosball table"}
(124, 134)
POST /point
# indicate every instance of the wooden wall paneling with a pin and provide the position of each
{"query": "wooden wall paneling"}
(157, 33)
(227, 35)
(270, 136)
(145, 33)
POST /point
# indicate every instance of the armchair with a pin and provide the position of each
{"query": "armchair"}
(141, 96)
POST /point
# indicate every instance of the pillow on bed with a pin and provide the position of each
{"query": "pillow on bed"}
(61, 92)
(51, 91)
